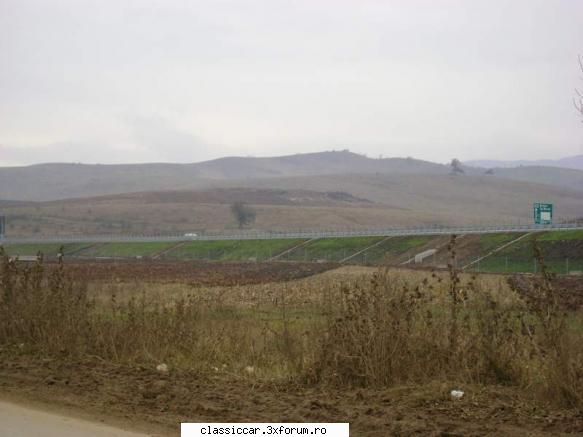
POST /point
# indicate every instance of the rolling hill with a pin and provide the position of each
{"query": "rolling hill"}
(46, 182)
(309, 191)
(310, 202)
(573, 162)
(61, 181)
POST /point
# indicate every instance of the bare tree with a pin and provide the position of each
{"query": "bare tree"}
(578, 99)
(243, 214)
(456, 167)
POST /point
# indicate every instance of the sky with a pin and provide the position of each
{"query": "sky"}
(114, 81)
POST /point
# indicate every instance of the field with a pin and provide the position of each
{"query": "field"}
(297, 342)
(562, 250)
(48, 249)
(190, 273)
(125, 249)
(232, 250)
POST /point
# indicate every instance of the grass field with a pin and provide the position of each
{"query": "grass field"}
(561, 235)
(332, 249)
(127, 249)
(349, 342)
(490, 242)
(563, 250)
(232, 250)
(49, 249)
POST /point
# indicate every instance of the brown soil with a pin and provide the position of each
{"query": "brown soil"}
(227, 196)
(569, 289)
(193, 273)
(143, 396)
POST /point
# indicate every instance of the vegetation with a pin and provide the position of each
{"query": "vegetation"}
(127, 249)
(490, 242)
(332, 249)
(456, 167)
(232, 250)
(50, 249)
(244, 214)
(561, 235)
(378, 331)
(563, 253)
(563, 250)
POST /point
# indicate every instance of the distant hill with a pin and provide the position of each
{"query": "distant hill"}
(47, 182)
(60, 181)
(573, 162)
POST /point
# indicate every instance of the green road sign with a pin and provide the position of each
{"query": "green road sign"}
(543, 213)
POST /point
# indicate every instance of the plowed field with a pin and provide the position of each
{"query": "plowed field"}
(195, 273)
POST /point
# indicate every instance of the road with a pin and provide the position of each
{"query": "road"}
(19, 421)
(259, 235)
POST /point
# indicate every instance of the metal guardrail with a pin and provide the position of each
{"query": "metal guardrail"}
(274, 235)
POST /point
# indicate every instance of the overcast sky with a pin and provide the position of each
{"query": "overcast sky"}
(184, 81)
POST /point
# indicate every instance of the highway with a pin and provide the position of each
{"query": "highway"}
(260, 235)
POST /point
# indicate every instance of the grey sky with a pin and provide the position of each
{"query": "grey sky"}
(136, 81)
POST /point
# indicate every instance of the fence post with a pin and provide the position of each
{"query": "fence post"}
(567, 266)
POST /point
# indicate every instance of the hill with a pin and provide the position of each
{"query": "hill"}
(60, 181)
(46, 182)
(309, 202)
(573, 162)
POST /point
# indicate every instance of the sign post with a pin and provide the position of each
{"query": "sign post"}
(543, 213)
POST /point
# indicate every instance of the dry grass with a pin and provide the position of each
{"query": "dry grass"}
(349, 328)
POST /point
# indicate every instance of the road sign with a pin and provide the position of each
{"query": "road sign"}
(543, 213)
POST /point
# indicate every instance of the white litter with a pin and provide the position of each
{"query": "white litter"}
(457, 394)
(162, 368)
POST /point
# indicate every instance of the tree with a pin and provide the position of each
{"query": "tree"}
(243, 214)
(456, 167)
(578, 99)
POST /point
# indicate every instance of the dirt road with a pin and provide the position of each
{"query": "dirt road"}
(19, 421)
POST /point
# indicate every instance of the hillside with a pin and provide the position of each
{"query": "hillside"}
(310, 202)
(461, 199)
(60, 181)
(46, 182)
(573, 162)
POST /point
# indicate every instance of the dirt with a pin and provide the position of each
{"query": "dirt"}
(194, 273)
(569, 290)
(228, 196)
(143, 396)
